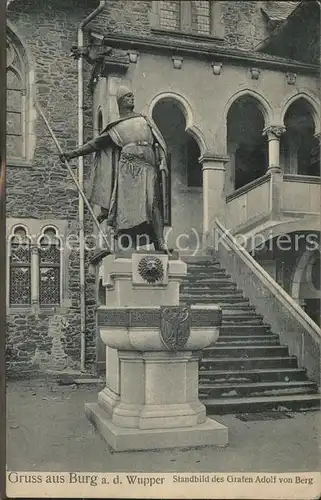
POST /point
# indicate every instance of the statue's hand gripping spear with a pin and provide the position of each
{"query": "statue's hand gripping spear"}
(64, 159)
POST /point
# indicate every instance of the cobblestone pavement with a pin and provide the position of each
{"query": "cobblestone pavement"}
(48, 431)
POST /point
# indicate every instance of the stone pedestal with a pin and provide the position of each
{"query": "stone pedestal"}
(152, 351)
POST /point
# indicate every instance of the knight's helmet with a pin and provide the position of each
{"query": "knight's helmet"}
(122, 91)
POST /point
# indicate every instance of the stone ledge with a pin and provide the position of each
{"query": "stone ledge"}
(140, 317)
(210, 433)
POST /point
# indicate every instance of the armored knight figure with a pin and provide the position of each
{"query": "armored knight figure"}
(126, 177)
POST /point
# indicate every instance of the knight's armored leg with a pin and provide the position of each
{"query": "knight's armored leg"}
(158, 232)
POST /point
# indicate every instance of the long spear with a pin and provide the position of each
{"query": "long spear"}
(107, 250)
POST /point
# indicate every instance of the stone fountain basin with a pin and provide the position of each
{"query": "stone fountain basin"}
(140, 329)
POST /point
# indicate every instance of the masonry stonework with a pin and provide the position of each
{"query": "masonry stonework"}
(44, 189)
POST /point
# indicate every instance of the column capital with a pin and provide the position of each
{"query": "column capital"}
(34, 249)
(274, 132)
(210, 160)
(317, 136)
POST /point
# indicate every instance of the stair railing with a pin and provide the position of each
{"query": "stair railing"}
(296, 329)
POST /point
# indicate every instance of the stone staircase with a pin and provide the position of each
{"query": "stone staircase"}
(247, 370)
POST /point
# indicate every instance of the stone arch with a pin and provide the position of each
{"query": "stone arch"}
(284, 227)
(185, 145)
(263, 104)
(299, 145)
(18, 226)
(298, 274)
(12, 32)
(246, 117)
(312, 103)
(53, 228)
(302, 287)
(186, 109)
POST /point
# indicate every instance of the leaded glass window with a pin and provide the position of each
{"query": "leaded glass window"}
(170, 15)
(49, 269)
(20, 269)
(192, 16)
(201, 19)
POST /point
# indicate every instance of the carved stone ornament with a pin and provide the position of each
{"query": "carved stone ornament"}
(217, 68)
(175, 327)
(177, 61)
(151, 269)
(133, 56)
(255, 73)
(290, 78)
(274, 131)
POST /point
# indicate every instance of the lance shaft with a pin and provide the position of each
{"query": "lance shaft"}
(73, 176)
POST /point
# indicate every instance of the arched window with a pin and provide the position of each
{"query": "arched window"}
(20, 139)
(49, 268)
(20, 268)
(16, 93)
(299, 146)
(247, 147)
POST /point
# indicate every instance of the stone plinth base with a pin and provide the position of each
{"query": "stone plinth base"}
(209, 433)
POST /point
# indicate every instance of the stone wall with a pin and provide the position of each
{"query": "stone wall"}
(44, 190)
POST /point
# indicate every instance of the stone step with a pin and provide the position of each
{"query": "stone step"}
(229, 363)
(215, 295)
(211, 294)
(219, 299)
(248, 376)
(246, 319)
(230, 303)
(200, 287)
(202, 267)
(248, 340)
(238, 308)
(245, 351)
(211, 278)
(299, 402)
(224, 290)
(205, 264)
(240, 330)
(247, 369)
(201, 273)
(199, 260)
(233, 390)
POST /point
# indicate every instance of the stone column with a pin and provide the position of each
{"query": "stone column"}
(34, 275)
(273, 133)
(213, 167)
(315, 153)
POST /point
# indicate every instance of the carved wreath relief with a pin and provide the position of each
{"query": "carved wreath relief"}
(151, 269)
(175, 326)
